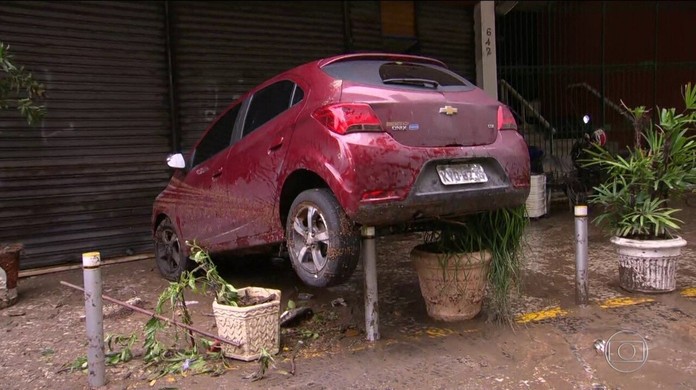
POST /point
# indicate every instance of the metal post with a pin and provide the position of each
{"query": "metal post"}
(171, 63)
(655, 58)
(94, 319)
(369, 256)
(603, 88)
(581, 283)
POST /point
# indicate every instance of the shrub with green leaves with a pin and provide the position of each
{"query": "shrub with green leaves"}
(634, 197)
(18, 88)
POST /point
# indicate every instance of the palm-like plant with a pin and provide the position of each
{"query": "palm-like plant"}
(634, 197)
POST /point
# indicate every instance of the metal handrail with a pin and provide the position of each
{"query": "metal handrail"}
(607, 101)
(507, 88)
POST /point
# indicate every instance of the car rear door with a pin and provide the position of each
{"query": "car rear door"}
(254, 162)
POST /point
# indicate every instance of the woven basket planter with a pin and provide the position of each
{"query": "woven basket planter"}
(256, 327)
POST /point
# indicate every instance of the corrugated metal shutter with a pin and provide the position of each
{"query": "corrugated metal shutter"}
(86, 177)
(365, 26)
(446, 31)
(223, 49)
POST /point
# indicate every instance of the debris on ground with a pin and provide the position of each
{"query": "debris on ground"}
(266, 362)
(114, 310)
(600, 345)
(339, 302)
(16, 313)
(293, 317)
(305, 296)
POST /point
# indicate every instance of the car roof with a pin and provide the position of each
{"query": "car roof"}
(318, 64)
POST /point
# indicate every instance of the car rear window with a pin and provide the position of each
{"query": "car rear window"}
(398, 74)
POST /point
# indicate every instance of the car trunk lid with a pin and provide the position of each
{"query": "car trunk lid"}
(431, 118)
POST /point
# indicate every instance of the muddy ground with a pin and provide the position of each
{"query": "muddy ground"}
(44, 331)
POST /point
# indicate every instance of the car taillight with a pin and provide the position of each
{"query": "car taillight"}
(345, 118)
(505, 119)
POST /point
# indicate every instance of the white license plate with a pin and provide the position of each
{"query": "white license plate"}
(461, 174)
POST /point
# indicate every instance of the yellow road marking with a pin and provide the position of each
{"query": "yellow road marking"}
(689, 292)
(623, 301)
(438, 332)
(541, 315)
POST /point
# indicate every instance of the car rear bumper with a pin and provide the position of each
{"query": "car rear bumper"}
(380, 182)
(424, 207)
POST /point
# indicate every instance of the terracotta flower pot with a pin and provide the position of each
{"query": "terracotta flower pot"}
(9, 273)
(453, 289)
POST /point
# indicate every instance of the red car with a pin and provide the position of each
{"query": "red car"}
(307, 157)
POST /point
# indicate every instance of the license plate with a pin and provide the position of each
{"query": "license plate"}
(461, 174)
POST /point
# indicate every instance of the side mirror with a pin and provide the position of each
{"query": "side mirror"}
(176, 161)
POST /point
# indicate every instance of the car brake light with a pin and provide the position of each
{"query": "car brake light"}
(345, 118)
(505, 119)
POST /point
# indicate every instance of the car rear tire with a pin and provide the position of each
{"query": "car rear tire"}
(323, 244)
(170, 256)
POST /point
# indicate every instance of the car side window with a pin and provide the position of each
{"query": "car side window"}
(298, 95)
(218, 138)
(267, 104)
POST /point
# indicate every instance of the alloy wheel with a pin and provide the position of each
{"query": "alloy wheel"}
(310, 238)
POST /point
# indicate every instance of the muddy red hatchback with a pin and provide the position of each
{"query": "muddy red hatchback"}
(306, 158)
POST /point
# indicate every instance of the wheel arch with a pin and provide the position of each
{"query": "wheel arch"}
(298, 181)
(158, 220)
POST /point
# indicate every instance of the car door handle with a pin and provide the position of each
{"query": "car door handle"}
(217, 173)
(276, 144)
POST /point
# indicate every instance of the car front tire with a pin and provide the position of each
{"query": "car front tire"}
(169, 254)
(323, 245)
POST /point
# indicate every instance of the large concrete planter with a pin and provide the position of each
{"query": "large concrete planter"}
(256, 327)
(648, 266)
(9, 273)
(453, 289)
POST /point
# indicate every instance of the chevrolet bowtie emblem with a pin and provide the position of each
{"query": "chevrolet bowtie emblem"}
(448, 110)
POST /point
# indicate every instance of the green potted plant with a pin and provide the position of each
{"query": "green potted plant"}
(634, 198)
(20, 91)
(461, 259)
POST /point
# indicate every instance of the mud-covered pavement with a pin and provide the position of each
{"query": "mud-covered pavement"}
(45, 330)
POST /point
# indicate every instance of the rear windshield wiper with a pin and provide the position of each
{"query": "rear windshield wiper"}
(411, 81)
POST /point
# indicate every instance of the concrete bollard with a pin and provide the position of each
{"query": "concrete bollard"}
(369, 257)
(581, 282)
(94, 319)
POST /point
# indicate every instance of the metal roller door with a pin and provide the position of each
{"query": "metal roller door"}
(85, 178)
(222, 49)
(446, 31)
(365, 26)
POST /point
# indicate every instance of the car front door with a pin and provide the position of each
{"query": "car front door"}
(255, 161)
(205, 210)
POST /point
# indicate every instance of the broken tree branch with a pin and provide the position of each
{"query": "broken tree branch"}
(159, 317)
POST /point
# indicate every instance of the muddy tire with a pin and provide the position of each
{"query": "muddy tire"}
(324, 246)
(169, 253)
